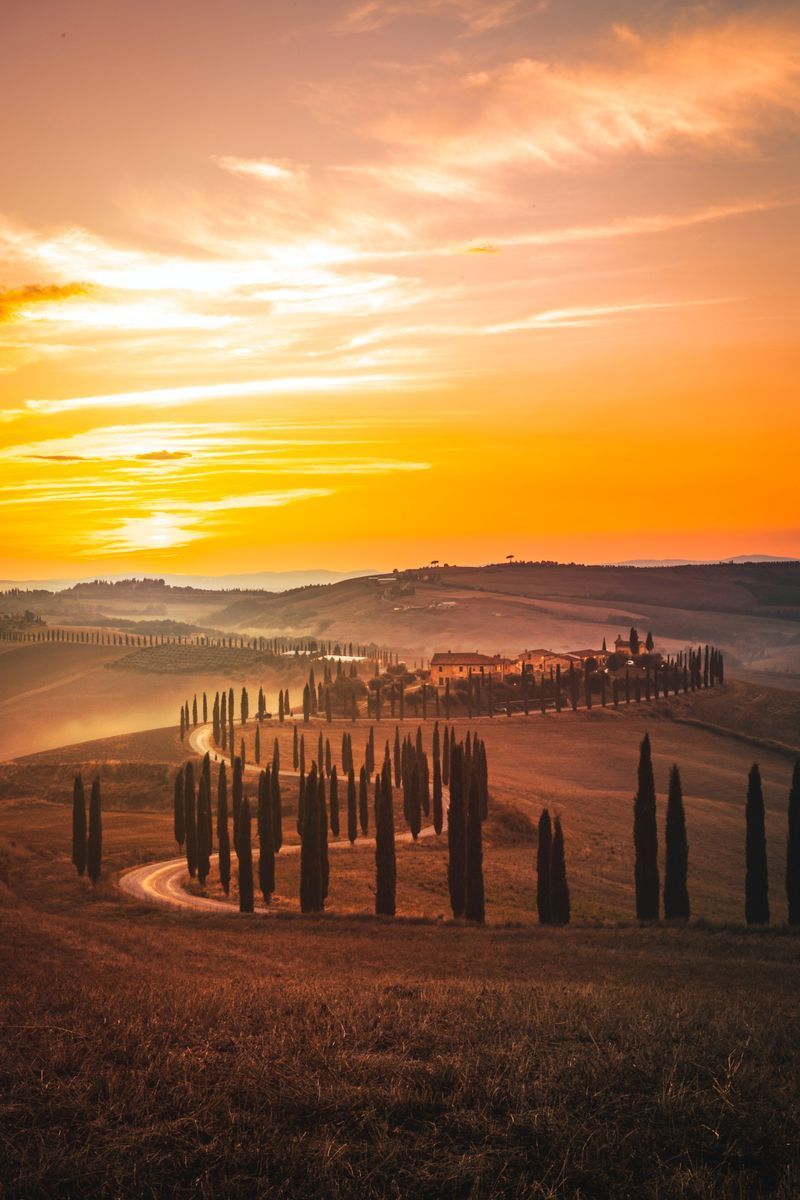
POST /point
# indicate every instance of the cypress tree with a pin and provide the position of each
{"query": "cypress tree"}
(474, 902)
(280, 705)
(215, 720)
(203, 830)
(328, 759)
(543, 861)
(295, 751)
(194, 712)
(756, 878)
(183, 725)
(456, 833)
(385, 859)
(266, 847)
(257, 751)
(446, 757)
(241, 751)
(237, 789)
(306, 705)
(397, 757)
(94, 844)
(414, 801)
(676, 866)
(363, 801)
(438, 816)
(352, 816)
(334, 801)
(79, 825)
(369, 757)
(190, 819)
(277, 800)
(244, 851)
(793, 849)
(645, 838)
(323, 835)
(559, 891)
(223, 837)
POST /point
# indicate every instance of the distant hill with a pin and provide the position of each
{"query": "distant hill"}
(268, 581)
(751, 610)
(697, 562)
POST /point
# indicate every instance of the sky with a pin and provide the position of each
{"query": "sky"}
(366, 283)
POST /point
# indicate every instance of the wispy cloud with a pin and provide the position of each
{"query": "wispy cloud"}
(699, 87)
(560, 318)
(172, 397)
(274, 171)
(16, 303)
(479, 16)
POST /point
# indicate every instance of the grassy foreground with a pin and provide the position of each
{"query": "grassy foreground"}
(151, 1054)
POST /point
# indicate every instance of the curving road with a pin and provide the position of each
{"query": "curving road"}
(164, 883)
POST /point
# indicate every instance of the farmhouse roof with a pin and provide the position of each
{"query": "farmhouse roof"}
(461, 658)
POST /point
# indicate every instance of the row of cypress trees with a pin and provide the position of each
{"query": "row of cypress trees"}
(676, 864)
(87, 840)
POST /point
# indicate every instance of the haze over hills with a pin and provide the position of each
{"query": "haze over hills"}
(285, 581)
(268, 581)
(751, 610)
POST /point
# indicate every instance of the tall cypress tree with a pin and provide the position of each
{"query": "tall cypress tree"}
(190, 819)
(438, 816)
(323, 835)
(244, 851)
(223, 837)
(385, 859)
(645, 838)
(237, 792)
(79, 825)
(756, 877)
(559, 891)
(793, 849)
(474, 901)
(183, 724)
(446, 757)
(676, 866)
(363, 801)
(266, 847)
(456, 833)
(352, 815)
(94, 844)
(543, 861)
(203, 830)
(257, 752)
(397, 758)
(311, 898)
(334, 794)
(277, 803)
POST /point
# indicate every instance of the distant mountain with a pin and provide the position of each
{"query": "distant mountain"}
(268, 581)
(703, 562)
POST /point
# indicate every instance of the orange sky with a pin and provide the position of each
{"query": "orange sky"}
(360, 284)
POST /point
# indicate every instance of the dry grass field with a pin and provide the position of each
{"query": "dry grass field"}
(149, 1052)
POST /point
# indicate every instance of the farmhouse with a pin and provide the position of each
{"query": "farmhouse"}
(531, 661)
(462, 664)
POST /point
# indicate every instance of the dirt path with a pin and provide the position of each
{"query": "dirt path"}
(165, 882)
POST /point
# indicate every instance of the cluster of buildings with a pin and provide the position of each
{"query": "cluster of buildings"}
(459, 664)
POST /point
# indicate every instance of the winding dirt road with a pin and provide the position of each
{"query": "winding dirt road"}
(164, 883)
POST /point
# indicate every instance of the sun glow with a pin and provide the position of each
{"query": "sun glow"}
(373, 311)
